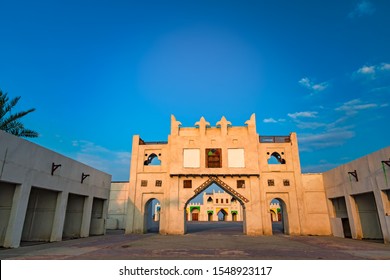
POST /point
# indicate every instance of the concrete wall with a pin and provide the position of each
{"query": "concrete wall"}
(315, 206)
(117, 207)
(6, 195)
(366, 198)
(74, 216)
(39, 204)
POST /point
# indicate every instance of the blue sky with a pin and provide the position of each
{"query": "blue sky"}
(98, 72)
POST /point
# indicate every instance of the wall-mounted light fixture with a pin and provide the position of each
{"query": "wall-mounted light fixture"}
(83, 177)
(54, 167)
(387, 162)
(354, 174)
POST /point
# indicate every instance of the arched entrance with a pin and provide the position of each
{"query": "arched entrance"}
(195, 214)
(222, 215)
(279, 216)
(225, 205)
(152, 216)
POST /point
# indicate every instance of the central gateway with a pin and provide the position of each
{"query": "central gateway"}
(253, 169)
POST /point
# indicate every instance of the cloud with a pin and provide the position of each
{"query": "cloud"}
(313, 87)
(272, 120)
(353, 106)
(116, 163)
(307, 114)
(330, 138)
(319, 168)
(372, 72)
(363, 8)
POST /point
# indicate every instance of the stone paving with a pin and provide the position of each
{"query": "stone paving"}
(204, 241)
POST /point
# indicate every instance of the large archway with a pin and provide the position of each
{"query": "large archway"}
(215, 202)
(152, 216)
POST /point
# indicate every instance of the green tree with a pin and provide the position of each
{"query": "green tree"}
(10, 122)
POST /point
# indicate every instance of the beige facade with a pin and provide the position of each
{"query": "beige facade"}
(251, 168)
(359, 197)
(45, 196)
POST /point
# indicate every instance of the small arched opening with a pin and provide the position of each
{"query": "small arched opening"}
(152, 160)
(195, 211)
(210, 215)
(276, 158)
(152, 216)
(279, 216)
(222, 215)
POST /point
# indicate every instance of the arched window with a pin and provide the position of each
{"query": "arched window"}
(152, 160)
(276, 158)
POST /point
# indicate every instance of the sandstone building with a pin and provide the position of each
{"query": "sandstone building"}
(252, 168)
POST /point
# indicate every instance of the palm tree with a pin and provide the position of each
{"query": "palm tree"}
(11, 122)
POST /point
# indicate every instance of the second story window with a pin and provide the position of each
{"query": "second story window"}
(213, 158)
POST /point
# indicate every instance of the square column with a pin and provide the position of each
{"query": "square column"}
(17, 216)
(87, 212)
(59, 217)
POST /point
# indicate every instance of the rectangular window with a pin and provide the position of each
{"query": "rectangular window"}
(144, 183)
(286, 182)
(213, 158)
(240, 184)
(191, 158)
(236, 158)
(227, 200)
(158, 183)
(187, 184)
(216, 201)
(271, 182)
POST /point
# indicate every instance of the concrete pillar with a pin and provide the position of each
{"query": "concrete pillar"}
(354, 220)
(59, 217)
(87, 212)
(381, 202)
(104, 215)
(17, 216)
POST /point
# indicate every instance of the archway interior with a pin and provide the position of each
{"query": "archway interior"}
(152, 216)
(278, 216)
(222, 215)
(206, 211)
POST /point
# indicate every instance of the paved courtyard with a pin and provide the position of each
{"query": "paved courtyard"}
(205, 240)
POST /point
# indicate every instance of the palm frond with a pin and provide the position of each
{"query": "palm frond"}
(11, 122)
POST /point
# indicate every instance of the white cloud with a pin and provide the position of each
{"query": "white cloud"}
(307, 114)
(116, 163)
(363, 8)
(353, 106)
(313, 87)
(367, 70)
(372, 71)
(385, 67)
(330, 138)
(272, 120)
